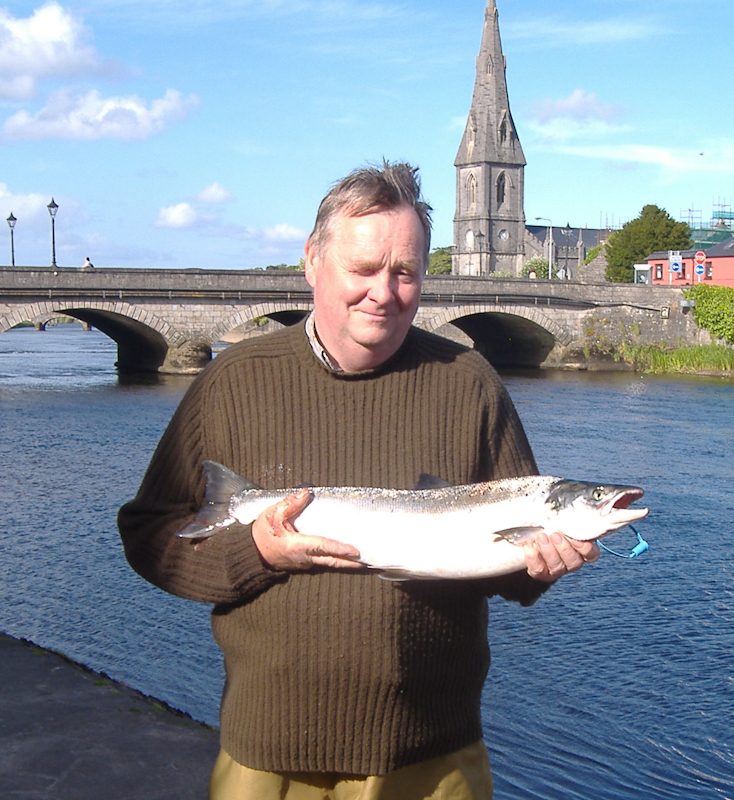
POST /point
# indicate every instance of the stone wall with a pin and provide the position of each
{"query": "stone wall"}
(595, 271)
(600, 332)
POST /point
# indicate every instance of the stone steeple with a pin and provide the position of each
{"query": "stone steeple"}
(489, 225)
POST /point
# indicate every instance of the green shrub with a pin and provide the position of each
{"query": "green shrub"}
(714, 309)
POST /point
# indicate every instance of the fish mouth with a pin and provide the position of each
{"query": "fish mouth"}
(618, 506)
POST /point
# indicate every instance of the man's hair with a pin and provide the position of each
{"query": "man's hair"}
(369, 190)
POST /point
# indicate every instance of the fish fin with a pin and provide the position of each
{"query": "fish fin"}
(222, 483)
(210, 519)
(395, 575)
(426, 481)
(520, 536)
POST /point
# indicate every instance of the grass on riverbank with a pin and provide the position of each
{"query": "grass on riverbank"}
(711, 359)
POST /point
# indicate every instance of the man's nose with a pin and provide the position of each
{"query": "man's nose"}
(382, 286)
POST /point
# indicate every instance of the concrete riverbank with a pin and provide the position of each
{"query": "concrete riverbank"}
(71, 734)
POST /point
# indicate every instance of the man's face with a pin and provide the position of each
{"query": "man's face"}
(367, 285)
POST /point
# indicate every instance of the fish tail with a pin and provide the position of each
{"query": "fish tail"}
(221, 485)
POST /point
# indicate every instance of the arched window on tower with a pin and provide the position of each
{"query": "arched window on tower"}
(471, 191)
(501, 188)
(503, 131)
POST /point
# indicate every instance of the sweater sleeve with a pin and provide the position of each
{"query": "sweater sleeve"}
(509, 456)
(225, 568)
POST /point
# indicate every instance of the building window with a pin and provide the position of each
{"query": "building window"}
(658, 272)
(709, 271)
(503, 131)
(501, 181)
(471, 191)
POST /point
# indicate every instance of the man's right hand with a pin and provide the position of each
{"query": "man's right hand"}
(282, 547)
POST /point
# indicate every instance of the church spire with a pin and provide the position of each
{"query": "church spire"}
(489, 226)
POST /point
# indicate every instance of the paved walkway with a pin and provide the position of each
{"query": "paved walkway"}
(70, 734)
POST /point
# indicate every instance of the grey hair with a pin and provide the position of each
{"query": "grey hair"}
(371, 189)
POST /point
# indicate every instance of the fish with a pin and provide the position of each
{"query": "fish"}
(437, 530)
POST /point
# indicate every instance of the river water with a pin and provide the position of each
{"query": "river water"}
(617, 684)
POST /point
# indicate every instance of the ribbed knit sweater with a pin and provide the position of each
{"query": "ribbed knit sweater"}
(328, 670)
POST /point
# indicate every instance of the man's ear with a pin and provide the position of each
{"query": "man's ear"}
(311, 262)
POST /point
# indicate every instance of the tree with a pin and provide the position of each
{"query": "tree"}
(536, 264)
(439, 261)
(654, 229)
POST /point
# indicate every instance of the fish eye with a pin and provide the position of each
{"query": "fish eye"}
(555, 505)
(598, 493)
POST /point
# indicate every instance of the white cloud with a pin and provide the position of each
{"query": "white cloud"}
(73, 115)
(578, 105)
(182, 215)
(215, 193)
(207, 12)
(283, 232)
(717, 157)
(552, 32)
(48, 44)
(580, 115)
(23, 206)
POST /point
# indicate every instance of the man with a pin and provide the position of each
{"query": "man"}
(339, 684)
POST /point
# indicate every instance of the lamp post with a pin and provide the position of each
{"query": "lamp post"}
(52, 209)
(479, 239)
(550, 244)
(11, 224)
(567, 231)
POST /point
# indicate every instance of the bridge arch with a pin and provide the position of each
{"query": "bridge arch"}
(286, 312)
(143, 339)
(507, 335)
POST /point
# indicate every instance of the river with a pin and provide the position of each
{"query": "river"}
(618, 684)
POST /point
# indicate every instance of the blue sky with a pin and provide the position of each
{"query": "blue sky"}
(203, 133)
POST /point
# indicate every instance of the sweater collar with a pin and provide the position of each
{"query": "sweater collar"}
(323, 357)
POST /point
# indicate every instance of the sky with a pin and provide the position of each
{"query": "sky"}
(204, 133)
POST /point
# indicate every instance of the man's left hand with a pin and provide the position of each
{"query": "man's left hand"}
(550, 557)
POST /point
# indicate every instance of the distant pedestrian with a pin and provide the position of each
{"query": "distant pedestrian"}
(87, 264)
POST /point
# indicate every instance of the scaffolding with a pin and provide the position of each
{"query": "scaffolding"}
(719, 229)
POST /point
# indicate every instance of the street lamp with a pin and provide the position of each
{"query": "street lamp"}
(52, 209)
(11, 224)
(567, 231)
(479, 239)
(550, 244)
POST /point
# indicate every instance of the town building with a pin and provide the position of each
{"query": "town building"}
(714, 266)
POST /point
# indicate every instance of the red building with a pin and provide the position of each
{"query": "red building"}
(714, 266)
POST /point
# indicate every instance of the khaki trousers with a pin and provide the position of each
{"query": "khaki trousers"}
(463, 775)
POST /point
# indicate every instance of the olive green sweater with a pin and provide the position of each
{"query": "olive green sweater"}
(328, 670)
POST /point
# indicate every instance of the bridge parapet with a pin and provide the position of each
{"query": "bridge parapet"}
(168, 320)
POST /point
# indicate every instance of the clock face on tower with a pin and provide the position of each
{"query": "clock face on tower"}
(504, 235)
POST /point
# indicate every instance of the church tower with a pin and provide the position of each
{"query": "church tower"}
(489, 225)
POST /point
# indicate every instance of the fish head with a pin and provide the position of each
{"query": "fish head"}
(588, 511)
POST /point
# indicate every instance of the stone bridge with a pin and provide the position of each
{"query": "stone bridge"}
(168, 320)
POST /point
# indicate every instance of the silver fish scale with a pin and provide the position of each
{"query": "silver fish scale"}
(431, 501)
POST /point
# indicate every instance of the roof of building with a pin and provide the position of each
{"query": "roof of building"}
(717, 251)
(663, 254)
(725, 248)
(590, 237)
